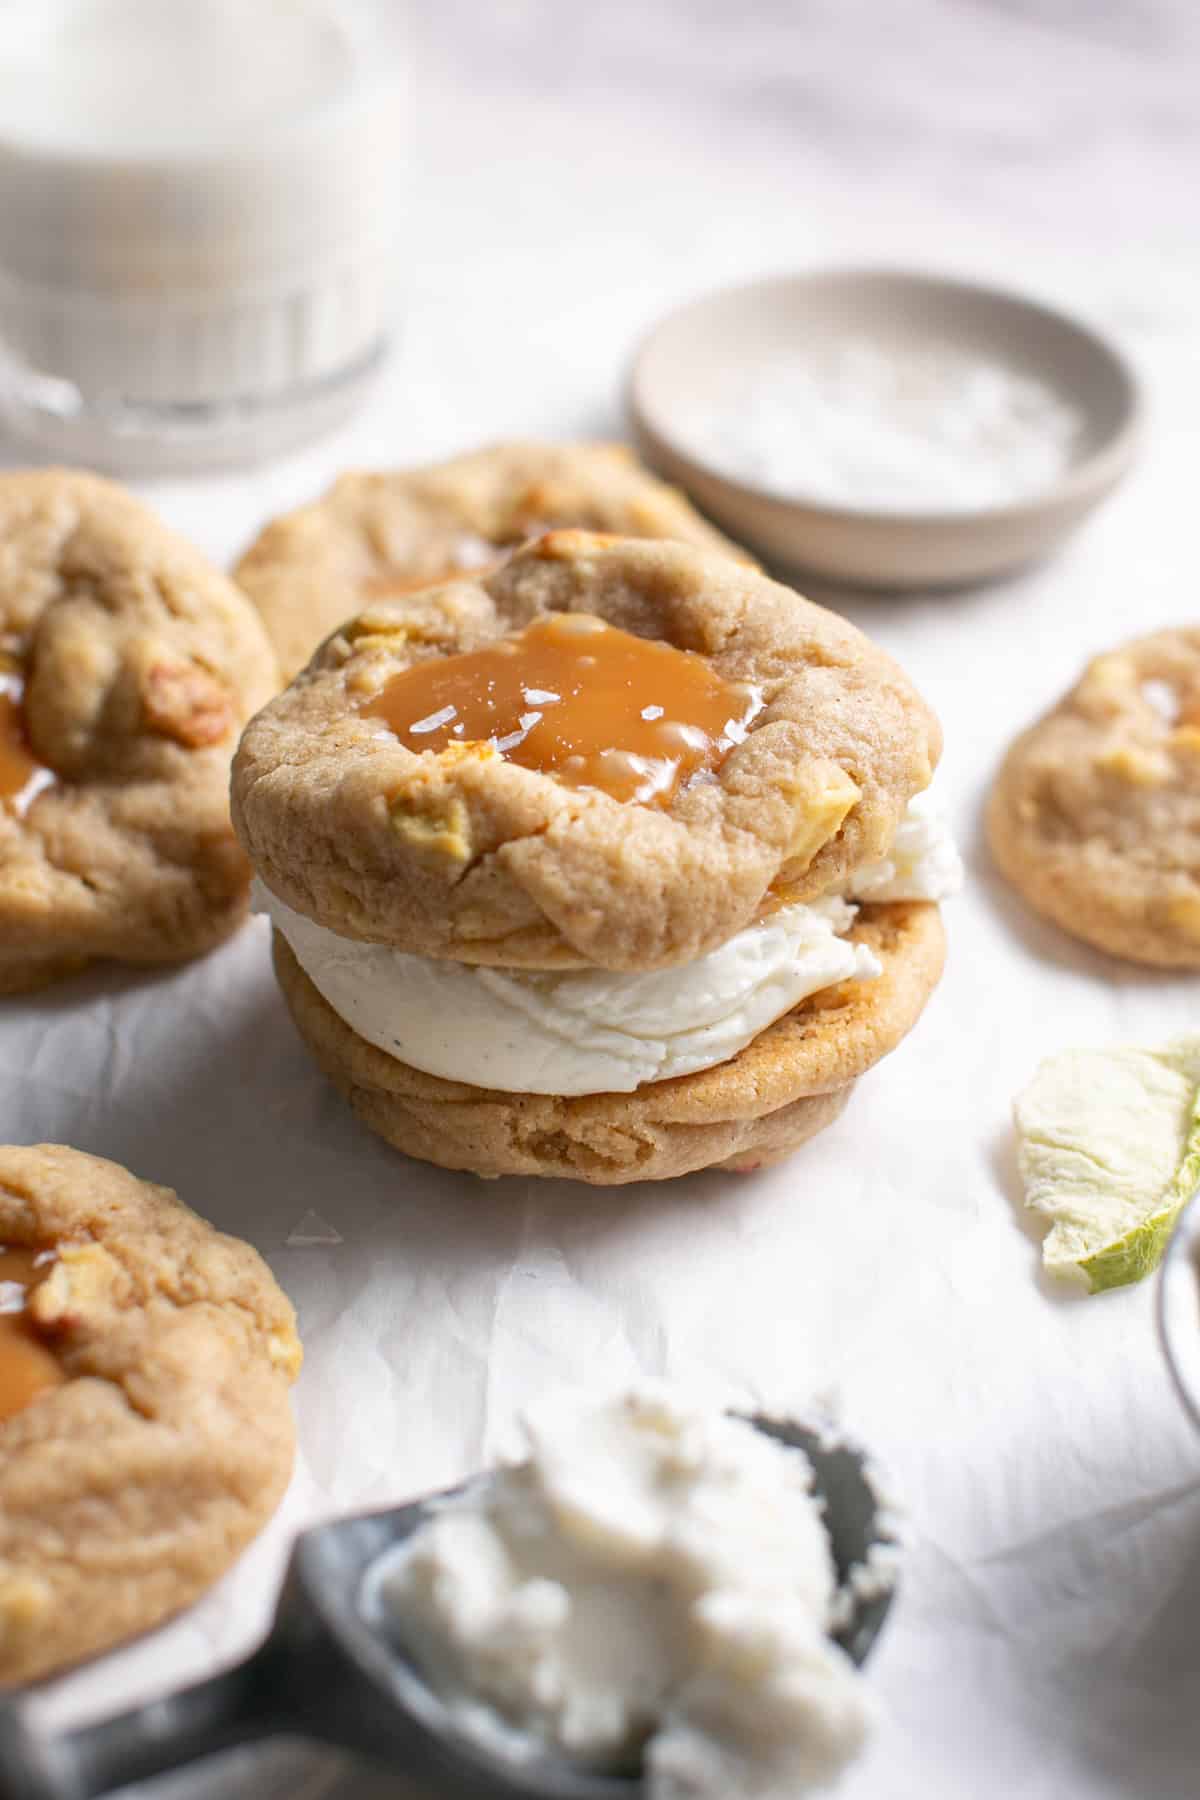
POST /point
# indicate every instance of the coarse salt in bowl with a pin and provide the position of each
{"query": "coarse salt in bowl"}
(885, 428)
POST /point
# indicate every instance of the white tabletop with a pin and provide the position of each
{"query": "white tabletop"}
(581, 169)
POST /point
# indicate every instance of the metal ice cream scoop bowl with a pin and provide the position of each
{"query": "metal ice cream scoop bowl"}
(331, 1670)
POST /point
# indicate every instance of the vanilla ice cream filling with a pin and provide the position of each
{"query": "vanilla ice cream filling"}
(582, 1031)
(922, 864)
(598, 1031)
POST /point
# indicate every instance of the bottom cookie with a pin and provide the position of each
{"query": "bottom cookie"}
(20, 975)
(145, 1428)
(791, 1082)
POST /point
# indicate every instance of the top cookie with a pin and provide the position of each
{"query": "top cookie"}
(372, 536)
(128, 666)
(460, 852)
(1095, 815)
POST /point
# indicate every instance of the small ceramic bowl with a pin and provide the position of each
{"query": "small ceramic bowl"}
(698, 355)
(1178, 1306)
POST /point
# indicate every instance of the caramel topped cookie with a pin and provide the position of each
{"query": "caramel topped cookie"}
(604, 863)
(379, 536)
(145, 1429)
(128, 667)
(1095, 815)
(758, 743)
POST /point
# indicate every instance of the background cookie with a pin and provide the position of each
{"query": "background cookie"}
(377, 535)
(128, 667)
(784, 1087)
(127, 1489)
(463, 853)
(1095, 814)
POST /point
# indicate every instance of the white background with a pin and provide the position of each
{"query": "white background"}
(580, 169)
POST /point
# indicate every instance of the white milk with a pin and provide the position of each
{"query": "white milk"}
(200, 202)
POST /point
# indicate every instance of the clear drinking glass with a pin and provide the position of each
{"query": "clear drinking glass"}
(200, 213)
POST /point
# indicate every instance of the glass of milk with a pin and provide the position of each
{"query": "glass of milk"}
(200, 209)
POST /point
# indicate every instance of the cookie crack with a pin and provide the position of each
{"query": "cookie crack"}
(484, 856)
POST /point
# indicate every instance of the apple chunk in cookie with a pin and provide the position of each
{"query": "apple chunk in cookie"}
(586, 829)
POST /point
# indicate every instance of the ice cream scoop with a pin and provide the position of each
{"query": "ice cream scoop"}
(328, 1670)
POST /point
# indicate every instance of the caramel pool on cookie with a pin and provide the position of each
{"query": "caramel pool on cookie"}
(573, 696)
(128, 666)
(22, 776)
(28, 1365)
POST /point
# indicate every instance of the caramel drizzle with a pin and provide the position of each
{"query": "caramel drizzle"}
(580, 699)
(28, 1367)
(22, 776)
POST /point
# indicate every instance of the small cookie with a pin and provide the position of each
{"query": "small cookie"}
(1095, 814)
(128, 667)
(459, 851)
(375, 536)
(145, 1429)
(788, 1084)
